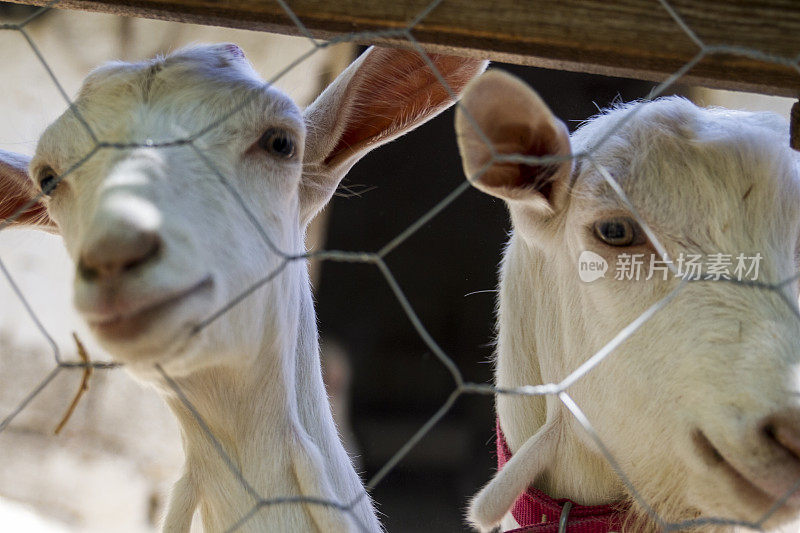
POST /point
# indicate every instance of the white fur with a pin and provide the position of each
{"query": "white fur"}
(253, 374)
(719, 359)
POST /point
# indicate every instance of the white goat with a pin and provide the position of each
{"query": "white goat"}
(701, 406)
(160, 244)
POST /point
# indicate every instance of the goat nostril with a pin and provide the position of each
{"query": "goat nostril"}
(150, 253)
(708, 449)
(784, 434)
(110, 257)
(86, 272)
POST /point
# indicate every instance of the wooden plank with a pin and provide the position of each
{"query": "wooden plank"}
(631, 38)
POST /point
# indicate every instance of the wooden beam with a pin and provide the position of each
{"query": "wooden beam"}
(630, 38)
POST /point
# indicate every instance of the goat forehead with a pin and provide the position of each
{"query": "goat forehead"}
(207, 67)
(699, 173)
(169, 99)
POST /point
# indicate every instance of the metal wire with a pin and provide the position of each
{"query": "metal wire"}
(461, 387)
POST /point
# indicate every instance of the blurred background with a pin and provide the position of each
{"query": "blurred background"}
(111, 468)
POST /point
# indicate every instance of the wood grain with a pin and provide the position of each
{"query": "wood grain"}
(631, 38)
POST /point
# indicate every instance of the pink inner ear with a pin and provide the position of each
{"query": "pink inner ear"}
(394, 90)
(17, 192)
(539, 177)
(521, 139)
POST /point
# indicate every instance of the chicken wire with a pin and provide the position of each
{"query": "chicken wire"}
(377, 259)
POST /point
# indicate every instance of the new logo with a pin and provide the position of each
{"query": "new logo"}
(591, 266)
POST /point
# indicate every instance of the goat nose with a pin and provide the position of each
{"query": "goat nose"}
(111, 254)
(784, 430)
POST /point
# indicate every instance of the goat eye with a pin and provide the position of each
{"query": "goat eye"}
(618, 231)
(277, 142)
(48, 182)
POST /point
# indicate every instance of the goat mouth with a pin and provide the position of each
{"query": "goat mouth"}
(746, 489)
(124, 327)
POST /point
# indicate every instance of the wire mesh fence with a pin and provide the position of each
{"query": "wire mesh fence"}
(377, 259)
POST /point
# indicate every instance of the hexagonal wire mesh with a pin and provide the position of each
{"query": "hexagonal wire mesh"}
(377, 258)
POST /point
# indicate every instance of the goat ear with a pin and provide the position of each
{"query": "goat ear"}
(497, 497)
(382, 95)
(515, 120)
(18, 196)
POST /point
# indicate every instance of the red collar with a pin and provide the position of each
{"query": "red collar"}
(536, 512)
